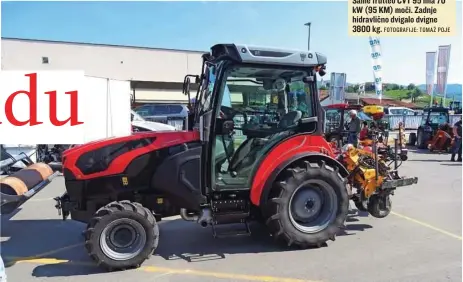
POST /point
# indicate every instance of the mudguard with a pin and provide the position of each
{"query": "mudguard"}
(285, 153)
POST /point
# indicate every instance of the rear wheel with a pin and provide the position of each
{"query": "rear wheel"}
(122, 235)
(412, 139)
(308, 206)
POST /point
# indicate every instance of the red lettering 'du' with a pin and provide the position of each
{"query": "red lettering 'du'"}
(32, 95)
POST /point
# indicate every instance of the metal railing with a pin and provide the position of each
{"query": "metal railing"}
(412, 122)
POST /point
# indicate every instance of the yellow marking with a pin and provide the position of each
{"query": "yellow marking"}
(168, 271)
(221, 275)
(428, 226)
(45, 261)
(38, 256)
(125, 181)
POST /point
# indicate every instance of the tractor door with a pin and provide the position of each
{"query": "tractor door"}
(256, 109)
(205, 113)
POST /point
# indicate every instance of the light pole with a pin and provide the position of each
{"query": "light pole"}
(308, 38)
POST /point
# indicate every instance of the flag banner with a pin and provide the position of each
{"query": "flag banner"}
(443, 60)
(337, 86)
(430, 66)
(332, 81)
(376, 58)
(361, 89)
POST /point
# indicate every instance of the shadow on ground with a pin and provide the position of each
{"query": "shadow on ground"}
(178, 240)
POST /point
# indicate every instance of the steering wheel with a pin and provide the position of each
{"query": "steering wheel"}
(229, 113)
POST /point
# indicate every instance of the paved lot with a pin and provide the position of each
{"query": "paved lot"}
(420, 241)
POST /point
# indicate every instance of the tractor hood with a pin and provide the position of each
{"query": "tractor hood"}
(160, 138)
(111, 156)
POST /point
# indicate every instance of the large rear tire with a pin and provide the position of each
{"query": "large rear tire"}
(122, 235)
(422, 139)
(412, 139)
(308, 206)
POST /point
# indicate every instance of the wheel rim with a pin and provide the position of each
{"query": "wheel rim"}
(312, 206)
(122, 241)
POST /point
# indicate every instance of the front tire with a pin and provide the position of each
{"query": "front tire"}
(308, 206)
(379, 206)
(122, 235)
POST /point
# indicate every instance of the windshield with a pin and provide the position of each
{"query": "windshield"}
(438, 118)
(266, 94)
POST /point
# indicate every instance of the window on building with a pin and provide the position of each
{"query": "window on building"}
(44, 60)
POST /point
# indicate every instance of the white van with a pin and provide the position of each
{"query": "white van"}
(401, 111)
(140, 124)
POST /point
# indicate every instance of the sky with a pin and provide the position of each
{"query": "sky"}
(199, 25)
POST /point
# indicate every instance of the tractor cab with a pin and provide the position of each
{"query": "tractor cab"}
(337, 118)
(455, 107)
(249, 100)
(433, 119)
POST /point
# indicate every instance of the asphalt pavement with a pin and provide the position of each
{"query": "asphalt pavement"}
(420, 241)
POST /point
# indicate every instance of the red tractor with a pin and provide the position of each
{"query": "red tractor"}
(284, 174)
(232, 166)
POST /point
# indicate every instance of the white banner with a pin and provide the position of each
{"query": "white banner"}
(376, 59)
(46, 107)
(337, 86)
(443, 61)
(430, 66)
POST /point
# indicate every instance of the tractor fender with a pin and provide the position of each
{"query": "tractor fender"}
(309, 156)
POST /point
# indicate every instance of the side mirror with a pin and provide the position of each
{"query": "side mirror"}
(186, 86)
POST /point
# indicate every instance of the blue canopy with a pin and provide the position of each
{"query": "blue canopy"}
(364, 116)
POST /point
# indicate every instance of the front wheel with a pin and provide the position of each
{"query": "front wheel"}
(308, 206)
(122, 235)
(379, 206)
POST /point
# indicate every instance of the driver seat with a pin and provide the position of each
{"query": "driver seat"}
(246, 153)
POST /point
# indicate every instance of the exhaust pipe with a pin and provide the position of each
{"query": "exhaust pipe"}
(188, 216)
(204, 219)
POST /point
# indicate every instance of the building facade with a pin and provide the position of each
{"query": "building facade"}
(156, 75)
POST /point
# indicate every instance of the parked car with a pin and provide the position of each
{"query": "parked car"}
(399, 111)
(148, 111)
(140, 124)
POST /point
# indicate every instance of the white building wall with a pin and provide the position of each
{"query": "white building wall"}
(114, 62)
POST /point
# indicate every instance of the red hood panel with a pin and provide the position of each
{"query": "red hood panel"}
(162, 139)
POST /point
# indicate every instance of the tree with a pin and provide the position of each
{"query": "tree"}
(411, 86)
